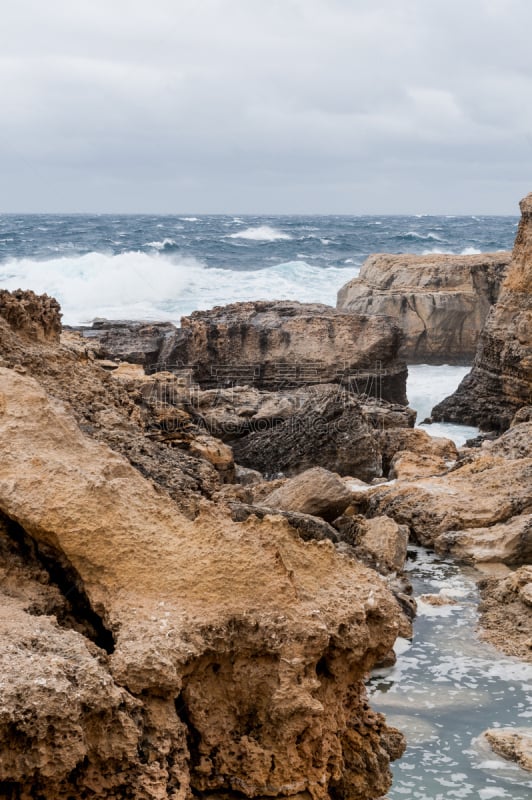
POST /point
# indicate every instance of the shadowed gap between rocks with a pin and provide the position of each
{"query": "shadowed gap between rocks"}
(78, 614)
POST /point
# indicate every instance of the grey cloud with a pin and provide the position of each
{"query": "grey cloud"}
(280, 106)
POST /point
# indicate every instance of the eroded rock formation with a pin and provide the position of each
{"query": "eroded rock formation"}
(150, 655)
(514, 744)
(268, 345)
(506, 612)
(439, 301)
(501, 379)
(478, 510)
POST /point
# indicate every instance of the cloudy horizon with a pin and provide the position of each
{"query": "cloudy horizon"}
(240, 106)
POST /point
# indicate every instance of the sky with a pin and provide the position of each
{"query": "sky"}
(265, 106)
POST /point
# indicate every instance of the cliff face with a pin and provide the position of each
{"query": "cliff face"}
(268, 345)
(147, 655)
(439, 301)
(501, 379)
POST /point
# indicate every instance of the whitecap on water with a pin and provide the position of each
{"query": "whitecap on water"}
(261, 233)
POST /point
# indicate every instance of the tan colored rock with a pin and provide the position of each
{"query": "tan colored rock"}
(248, 640)
(500, 382)
(488, 491)
(385, 542)
(508, 542)
(514, 744)
(440, 301)
(315, 491)
(36, 317)
(281, 344)
(506, 612)
(379, 542)
(411, 453)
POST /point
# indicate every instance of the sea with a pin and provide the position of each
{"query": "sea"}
(163, 267)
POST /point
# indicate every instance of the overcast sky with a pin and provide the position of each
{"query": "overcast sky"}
(265, 106)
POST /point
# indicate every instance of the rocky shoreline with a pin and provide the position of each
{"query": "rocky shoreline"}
(203, 531)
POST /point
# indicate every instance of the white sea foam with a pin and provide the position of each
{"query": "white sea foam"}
(161, 245)
(262, 233)
(416, 235)
(467, 251)
(161, 286)
(189, 219)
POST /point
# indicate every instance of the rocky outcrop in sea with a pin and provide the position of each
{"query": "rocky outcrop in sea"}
(439, 301)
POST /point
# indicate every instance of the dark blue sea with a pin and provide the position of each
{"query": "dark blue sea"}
(161, 267)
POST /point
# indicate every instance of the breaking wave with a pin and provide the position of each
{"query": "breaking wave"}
(162, 286)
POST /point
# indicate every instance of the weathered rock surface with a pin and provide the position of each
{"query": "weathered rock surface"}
(29, 314)
(150, 344)
(508, 542)
(411, 453)
(315, 491)
(378, 542)
(157, 438)
(227, 657)
(514, 744)
(439, 301)
(307, 526)
(506, 612)
(487, 491)
(285, 344)
(329, 429)
(501, 379)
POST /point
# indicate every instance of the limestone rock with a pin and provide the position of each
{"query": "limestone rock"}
(514, 744)
(281, 344)
(307, 526)
(144, 343)
(236, 652)
(329, 429)
(379, 542)
(315, 491)
(34, 316)
(440, 301)
(501, 379)
(508, 542)
(506, 612)
(413, 453)
(487, 491)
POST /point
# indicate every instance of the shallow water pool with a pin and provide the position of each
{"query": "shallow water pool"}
(446, 688)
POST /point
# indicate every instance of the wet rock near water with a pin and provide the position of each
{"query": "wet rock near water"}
(506, 612)
(513, 744)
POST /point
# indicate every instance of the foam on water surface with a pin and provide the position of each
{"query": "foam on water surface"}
(446, 689)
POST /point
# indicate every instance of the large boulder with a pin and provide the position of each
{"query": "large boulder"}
(315, 491)
(501, 379)
(440, 301)
(506, 612)
(457, 507)
(198, 657)
(281, 344)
